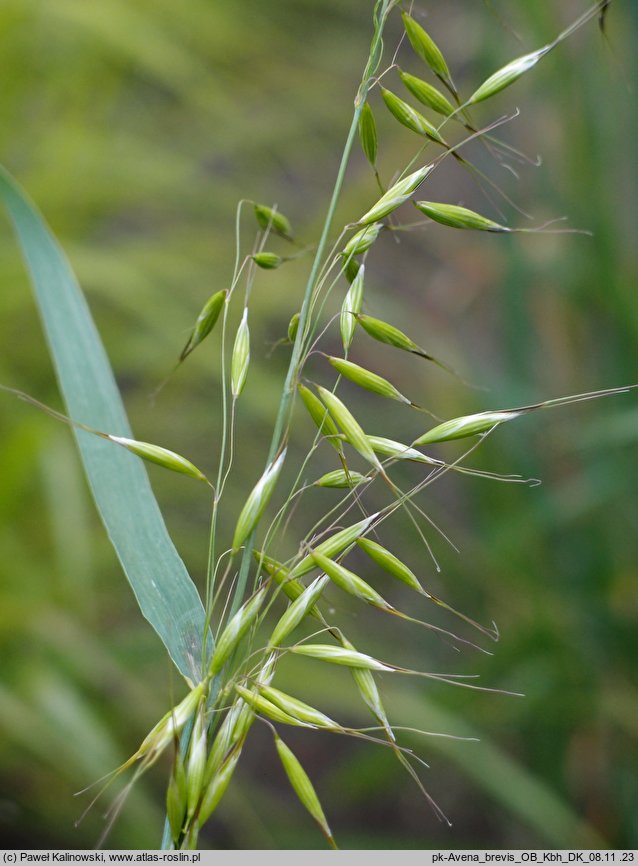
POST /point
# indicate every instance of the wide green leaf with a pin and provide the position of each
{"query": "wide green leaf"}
(164, 590)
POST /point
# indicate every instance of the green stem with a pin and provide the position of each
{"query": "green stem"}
(287, 398)
(210, 574)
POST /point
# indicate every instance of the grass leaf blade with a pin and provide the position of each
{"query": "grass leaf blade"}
(164, 590)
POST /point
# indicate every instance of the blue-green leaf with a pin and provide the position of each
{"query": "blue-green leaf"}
(164, 590)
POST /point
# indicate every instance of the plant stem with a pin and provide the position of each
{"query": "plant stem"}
(287, 397)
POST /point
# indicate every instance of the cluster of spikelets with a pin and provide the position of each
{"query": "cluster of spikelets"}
(207, 730)
(210, 726)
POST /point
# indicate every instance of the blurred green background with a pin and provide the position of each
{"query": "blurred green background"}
(136, 126)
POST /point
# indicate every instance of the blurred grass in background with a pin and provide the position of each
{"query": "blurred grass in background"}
(136, 127)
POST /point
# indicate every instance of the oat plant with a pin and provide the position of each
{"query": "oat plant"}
(266, 589)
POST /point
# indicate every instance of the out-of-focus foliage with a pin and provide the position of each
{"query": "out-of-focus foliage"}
(136, 126)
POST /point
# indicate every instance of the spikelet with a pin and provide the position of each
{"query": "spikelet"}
(334, 545)
(427, 94)
(303, 788)
(340, 656)
(399, 451)
(354, 585)
(271, 566)
(368, 134)
(351, 268)
(218, 785)
(227, 746)
(293, 327)
(273, 219)
(410, 117)
(296, 708)
(267, 261)
(146, 450)
(459, 217)
(352, 304)
(425, 47)
(507, 75)
(157, 454)
(390, 563)
(349, 581)
(232, 730)
(399, 193)
(168, 727)
(350, 426)
(467, 425)
(280, 574)
(362, 241)
(297, 611)
(196, 764)
(320, 416)
(176, 797)
(257, 502)
(290, 586)
(341, 479)
(240, 357)
(368, 380)
(367, 687)
(235, 630)
(267, 709)
(205, 322)
(386, 333)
